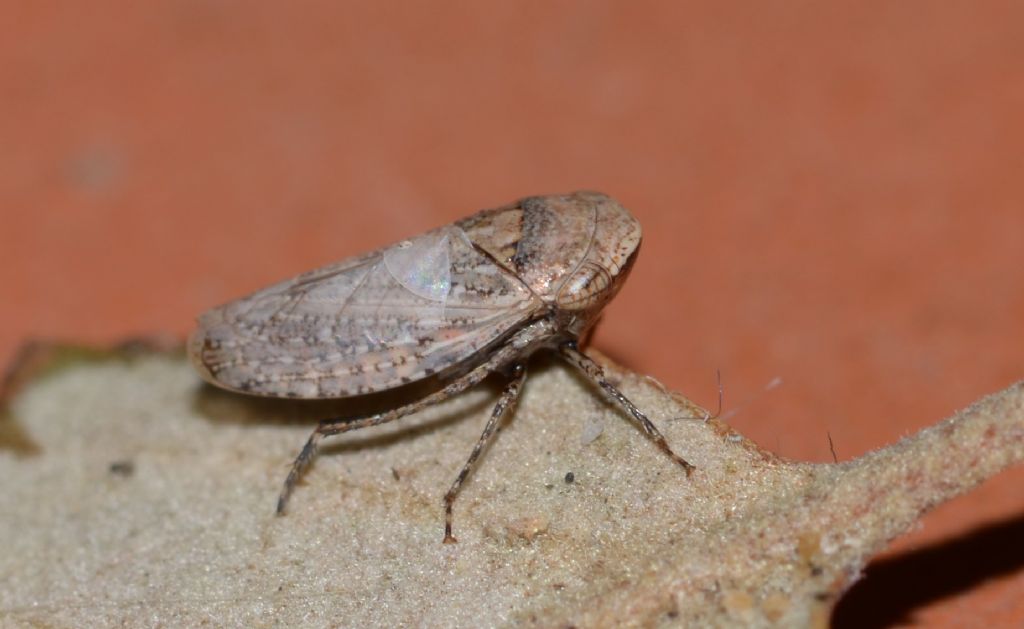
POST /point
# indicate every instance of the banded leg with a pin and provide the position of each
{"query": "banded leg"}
(336, 426)
(507, 400)
(593, 371)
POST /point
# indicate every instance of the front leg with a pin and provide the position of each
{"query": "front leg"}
(593, 371)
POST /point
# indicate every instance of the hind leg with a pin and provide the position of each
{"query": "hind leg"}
(337, 426)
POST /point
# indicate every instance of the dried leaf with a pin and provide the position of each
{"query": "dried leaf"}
(189, 536)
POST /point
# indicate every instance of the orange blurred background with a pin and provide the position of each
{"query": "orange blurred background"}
(832, 196)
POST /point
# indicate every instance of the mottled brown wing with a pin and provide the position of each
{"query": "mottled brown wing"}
(366, 324)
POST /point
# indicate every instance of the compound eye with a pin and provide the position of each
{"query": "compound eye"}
(588, 286)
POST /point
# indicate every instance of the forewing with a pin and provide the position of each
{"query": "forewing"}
(366, 324)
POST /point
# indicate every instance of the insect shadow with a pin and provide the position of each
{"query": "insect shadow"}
(224, 407)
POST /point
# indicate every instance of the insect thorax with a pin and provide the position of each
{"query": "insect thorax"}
(572, 251)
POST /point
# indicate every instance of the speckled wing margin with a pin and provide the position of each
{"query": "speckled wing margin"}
(365, 324)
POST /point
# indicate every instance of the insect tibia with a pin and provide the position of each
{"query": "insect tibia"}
(570, 351)
(298, 467)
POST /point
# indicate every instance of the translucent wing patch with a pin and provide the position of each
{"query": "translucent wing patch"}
(422, 266)
(366, 324)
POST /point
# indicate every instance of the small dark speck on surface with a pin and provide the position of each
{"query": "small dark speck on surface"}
(122, 468)
(569, 478)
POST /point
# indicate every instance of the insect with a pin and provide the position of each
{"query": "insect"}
(452, 305)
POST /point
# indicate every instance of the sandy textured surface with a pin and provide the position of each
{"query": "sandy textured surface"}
(148, 500)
